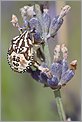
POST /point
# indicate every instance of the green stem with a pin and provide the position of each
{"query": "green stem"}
(61, 112)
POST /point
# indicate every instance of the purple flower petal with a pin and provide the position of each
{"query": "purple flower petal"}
(43, 77)
(53, 81)
(55, 25)
(34, 23)
(67, 76)
(35, 74)
(46, 22)
(64, 66)
(56, 69)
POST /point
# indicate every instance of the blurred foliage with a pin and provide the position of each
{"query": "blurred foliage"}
(22, 97)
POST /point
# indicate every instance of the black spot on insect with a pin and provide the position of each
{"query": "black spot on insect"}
(15, 64)
(18, 59)
(22, 46)
(13, 58)
(30, 63)
(27, 67)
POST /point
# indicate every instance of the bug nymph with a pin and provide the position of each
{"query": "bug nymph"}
(20, 53)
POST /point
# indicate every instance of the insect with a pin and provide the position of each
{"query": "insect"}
(21, 53)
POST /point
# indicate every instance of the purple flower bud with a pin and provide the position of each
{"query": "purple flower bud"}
(64, 11)
(55, 25)
(37, 37)
(56, 69)
(46, 21)
(67, 76)
(25, 23)
(53, 81)
(34, 23)
(64, 66)
(35, 74)
(43, 77)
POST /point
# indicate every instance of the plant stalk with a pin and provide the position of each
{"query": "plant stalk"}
(60, 108)
(48, 62)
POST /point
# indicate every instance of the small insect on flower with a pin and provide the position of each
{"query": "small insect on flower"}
(21, 53)
(17, 53)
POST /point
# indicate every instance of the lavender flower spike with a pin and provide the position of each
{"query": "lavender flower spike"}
(64, 51)
(58, 21)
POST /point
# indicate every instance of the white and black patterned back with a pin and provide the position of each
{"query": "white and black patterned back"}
(20, 53)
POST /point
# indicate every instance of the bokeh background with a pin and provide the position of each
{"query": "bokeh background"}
(24, 99)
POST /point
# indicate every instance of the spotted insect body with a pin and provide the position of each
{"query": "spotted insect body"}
(21, 53)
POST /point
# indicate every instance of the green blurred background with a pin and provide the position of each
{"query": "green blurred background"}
(22, 98)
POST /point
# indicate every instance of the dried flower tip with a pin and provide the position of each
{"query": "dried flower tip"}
(57, 53)
(73, 65)
(64, 51)
(57, 48)
(64, 11)
(23, 12)
(14, 20)
(26, 7)
(64, 48)
(27, 11)
(45, 10)
(30, 11)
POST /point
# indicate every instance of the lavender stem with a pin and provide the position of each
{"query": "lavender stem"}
(60, 108)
